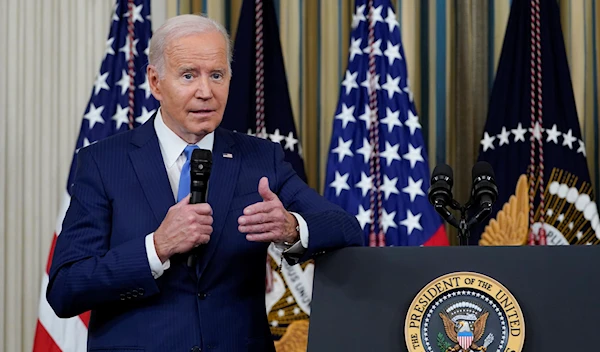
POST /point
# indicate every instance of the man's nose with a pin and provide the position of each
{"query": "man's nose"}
(203, 90)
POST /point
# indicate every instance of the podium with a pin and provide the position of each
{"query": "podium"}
(362, 295)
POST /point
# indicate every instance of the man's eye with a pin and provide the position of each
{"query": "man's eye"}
(188, 76)
(217, 75)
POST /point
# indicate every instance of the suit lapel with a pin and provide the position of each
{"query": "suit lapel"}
(150, 169)
(221, 186)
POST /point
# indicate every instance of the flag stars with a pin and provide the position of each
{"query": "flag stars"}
(391, 119)
(488, 141)
(387, 220)
(550, 212)
(366, 116)
(296, 311)
(390, 153)
(519, 133)
(146, 87)
(560, 218)
(503, 136)
(365, 150)
(347, 115)
(276, 137)
(411, 222)
(349, 81)
(145, 116)
(413, 155)
(365, 184)
(358, 16)
(100, 83)
(391, 20)
(127, 51)
(537, 131)
(94, 115)
(553, 134)
(377, 14)
(581, 148)
(579, 235)
(414, 188)
(120, 117)
(363, 216)
(137, 14)
(355, 48)
(109, 48)
(392, 52)
(569, 139)
(412, 122)
(343, 149)
(367, 82)
(392, 85)
(389, 186)
(124, 82)
(376, 48)
(340, 183)
(290, 141)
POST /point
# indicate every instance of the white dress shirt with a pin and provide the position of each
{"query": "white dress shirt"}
(171, 148)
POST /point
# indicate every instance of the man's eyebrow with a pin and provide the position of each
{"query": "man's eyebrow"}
(186, 69)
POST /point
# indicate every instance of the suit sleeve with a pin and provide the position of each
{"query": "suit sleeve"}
(86, 272)
(330, 227)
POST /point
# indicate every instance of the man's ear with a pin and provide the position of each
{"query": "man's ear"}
(154, 81)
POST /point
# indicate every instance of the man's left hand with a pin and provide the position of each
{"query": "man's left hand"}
(268, 221)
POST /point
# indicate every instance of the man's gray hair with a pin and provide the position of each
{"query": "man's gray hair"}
(179, 27)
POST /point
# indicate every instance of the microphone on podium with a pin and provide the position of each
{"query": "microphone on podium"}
(483, 195)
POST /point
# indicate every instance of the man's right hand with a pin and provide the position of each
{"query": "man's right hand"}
(186, 226)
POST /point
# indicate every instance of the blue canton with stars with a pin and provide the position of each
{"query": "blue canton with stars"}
(107, 112)
(407, 216)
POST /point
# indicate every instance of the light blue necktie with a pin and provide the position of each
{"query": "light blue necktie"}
(184, 179)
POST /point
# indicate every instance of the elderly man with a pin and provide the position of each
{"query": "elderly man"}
(130, 228)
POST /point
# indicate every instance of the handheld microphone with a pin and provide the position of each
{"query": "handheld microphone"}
(440, 192)
(200, 167)
(484, 190)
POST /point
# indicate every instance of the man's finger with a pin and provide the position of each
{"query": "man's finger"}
(261, 237)
(260, 207)
(265, 191)
(258, 218)
(257, 228)
(202, 208)
(185, 200)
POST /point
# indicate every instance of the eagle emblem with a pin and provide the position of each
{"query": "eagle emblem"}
(465, 330)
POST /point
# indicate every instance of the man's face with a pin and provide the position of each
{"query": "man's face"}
(193, 91)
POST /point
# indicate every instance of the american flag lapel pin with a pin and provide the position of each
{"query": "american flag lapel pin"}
(228, 155)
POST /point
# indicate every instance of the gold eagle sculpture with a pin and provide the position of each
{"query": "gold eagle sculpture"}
(511, 226)
(452, 331)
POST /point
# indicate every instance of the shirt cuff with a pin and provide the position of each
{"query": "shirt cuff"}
(300, 246)
(156, 266)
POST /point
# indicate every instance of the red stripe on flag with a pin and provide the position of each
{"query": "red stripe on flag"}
(439, 238)
(85, 318)
(43, 342)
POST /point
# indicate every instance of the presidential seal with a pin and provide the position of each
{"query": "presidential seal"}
(464, 312)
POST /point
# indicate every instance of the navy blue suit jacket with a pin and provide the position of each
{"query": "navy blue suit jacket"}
(121, 193)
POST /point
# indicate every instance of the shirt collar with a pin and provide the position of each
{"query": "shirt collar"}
(172, 145)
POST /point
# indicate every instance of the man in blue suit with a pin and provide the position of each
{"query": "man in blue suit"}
(130, 227)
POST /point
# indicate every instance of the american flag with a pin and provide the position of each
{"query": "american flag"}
(120, 100)
(377, 167)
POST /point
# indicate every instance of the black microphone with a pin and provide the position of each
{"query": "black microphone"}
(440, 192)
(200, 167)
(484, 190)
